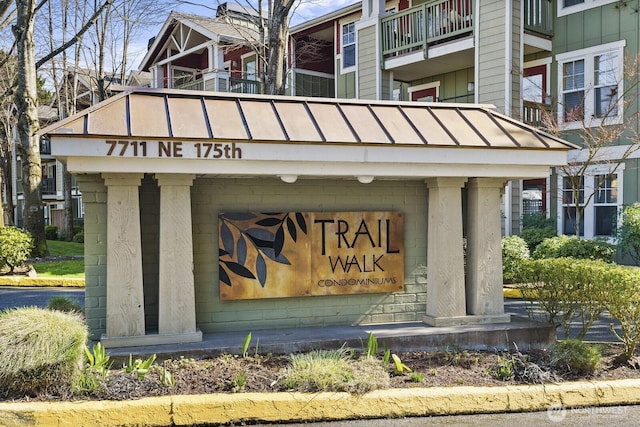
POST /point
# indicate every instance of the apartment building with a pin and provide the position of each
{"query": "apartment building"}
(527, 58)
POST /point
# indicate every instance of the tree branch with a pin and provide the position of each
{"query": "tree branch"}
(77, 37)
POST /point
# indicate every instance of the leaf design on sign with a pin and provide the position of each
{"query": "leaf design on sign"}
(238, 216)
(224, 277)
(280, 258)
(301, 222)
(227, 238)
(222, 252)
(269, 222)
(241, 250)
(261, 270)
(261, 233)
(238, 269)
(292, 229)
(278, 242)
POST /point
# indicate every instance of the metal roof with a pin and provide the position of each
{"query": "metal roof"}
(193, 115)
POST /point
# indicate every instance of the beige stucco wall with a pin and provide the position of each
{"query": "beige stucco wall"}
(210, 196)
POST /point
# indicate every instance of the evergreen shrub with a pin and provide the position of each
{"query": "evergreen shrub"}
(15, 247)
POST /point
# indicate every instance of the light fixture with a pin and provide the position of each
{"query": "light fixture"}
(289, 179)
(470, 86)
(365, 179)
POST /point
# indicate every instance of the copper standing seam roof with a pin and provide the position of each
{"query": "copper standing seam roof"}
(158, 114)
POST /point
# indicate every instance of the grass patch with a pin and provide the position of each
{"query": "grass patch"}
(69, 269)
(40, 350)
(59, 248)
(333, 370)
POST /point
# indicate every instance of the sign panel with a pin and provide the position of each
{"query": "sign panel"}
(294, 254)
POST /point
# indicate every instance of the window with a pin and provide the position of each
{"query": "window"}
(599, 197)
(606, 204)
(565, 7)
(182, 76)
(348, 45)
(573, 90)
(569, 199)
(589, 83)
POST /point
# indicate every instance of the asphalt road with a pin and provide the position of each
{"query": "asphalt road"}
(39, 297)
(555, 416)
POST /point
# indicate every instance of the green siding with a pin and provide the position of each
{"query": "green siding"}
(453, 86)
(212, 196)
(346, 84)
(367, 63)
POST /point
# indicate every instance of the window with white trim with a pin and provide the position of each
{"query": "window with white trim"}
(566, 7)
(590, 81)
(600, 213)
(605, 204)
(348, 45)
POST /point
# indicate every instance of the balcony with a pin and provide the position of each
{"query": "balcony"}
(538, 17)
(536, 114)
(48, 186)
(445, 27)
(431, 23)
(221, 82)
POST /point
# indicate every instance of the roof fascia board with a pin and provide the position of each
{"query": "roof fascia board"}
(186, 52)
(151, 52)
(347, 10)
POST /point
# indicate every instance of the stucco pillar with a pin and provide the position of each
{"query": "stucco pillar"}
(445, 256)
(176, 296)
(125, 295)
(484, 253)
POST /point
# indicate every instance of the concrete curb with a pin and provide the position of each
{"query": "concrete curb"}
(299, 407)
(35, 282)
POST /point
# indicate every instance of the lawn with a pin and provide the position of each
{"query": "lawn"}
(67, 268)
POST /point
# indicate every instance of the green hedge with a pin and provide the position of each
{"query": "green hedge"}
(569, 289)
(15, 246)
(564, 246)
(514, 252)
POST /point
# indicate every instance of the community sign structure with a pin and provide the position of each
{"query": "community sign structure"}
(208, 212)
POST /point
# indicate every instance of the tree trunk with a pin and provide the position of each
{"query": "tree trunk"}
(26, 101)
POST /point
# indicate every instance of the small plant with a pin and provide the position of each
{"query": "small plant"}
(166, 378)
(15, 247)
(417, 377)
(503, 369)
(98, 361)
(372, 345)
(386, 357)
(78, 238)
(245, 346)
(239, 381)
(139, 367)
(65, 304)
(574, 357)
(400, 367)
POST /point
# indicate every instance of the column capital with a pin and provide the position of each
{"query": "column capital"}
(166, 179)
(445, 182)
(122, 179)
(486, 182)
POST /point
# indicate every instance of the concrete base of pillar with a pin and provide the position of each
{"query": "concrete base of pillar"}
(151, 339)
(466, 320)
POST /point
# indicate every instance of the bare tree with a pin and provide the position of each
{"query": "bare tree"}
(26, 102)
(7, 121)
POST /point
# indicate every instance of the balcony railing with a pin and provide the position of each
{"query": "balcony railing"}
(538, 16)
(536, 114)
(235, 85)
(429, 23)
(48, 186)
(244, 85)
